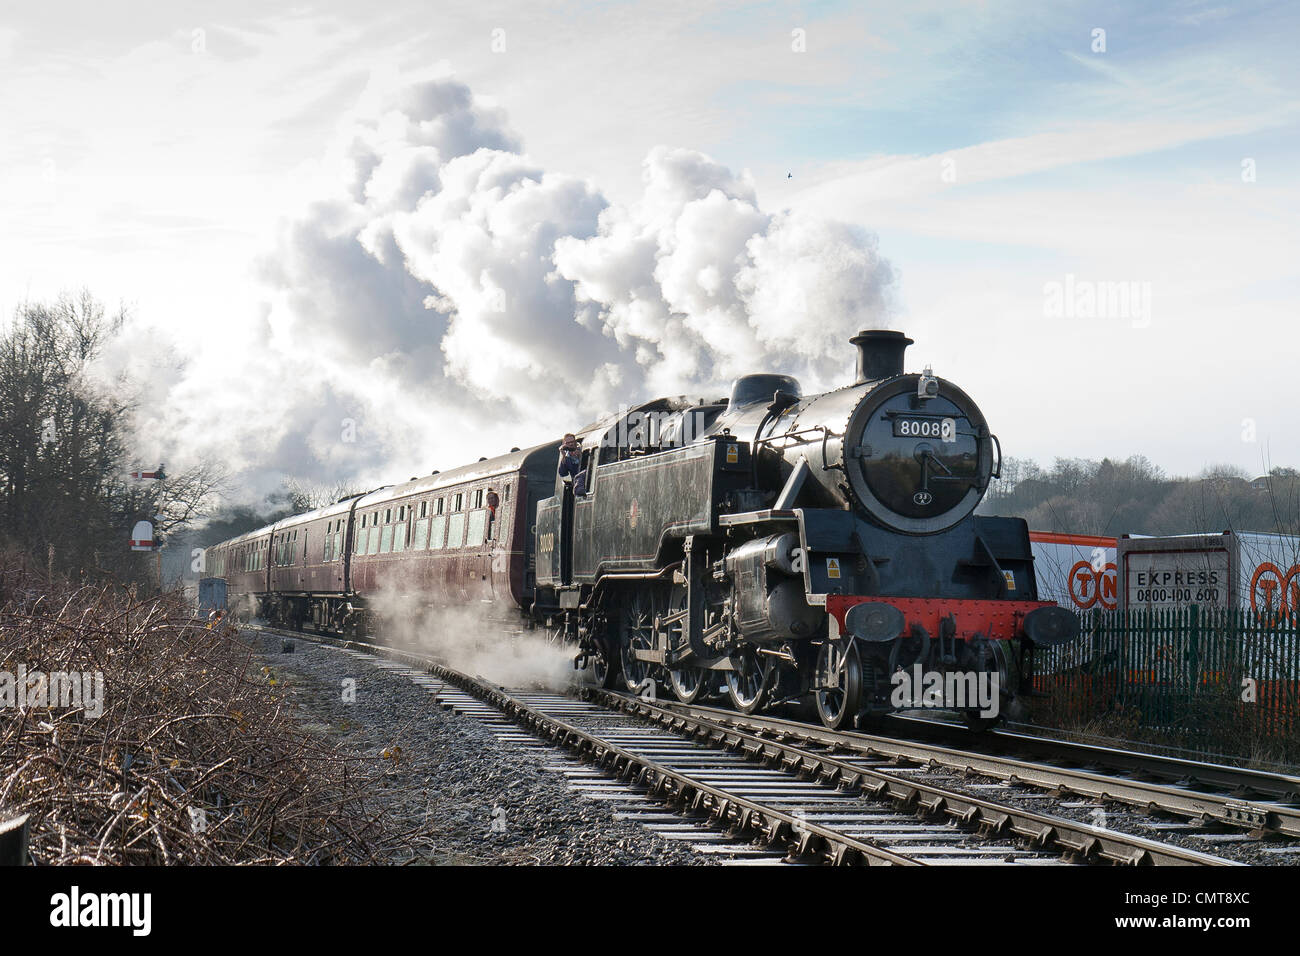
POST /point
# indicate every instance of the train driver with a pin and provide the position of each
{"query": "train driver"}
(571, 464)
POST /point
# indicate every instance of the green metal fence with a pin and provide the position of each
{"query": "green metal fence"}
(1205, 679)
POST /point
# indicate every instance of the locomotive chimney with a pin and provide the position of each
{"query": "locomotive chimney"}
(880, 354)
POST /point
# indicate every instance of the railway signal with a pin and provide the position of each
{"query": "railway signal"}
(142, 536)
(156, 475)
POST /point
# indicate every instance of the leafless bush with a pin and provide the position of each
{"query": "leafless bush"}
(195, 758)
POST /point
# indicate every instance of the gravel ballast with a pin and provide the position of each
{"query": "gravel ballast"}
(463, 796)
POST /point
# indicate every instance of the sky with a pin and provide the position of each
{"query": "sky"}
(362, 241)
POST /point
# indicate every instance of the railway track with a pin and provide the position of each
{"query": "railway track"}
(1259, 802)
(1242, 782)
(751, 798)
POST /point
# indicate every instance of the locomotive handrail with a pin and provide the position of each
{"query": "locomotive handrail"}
(827, 433)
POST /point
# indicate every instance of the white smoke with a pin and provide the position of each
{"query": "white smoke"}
(698, 285)
(451, 299)
(471, 640)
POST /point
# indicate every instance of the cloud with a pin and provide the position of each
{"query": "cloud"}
(452, 298)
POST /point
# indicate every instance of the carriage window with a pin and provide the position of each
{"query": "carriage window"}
(478, 498)
(456, 530)
(438, 532)
(477, 527)
(372, 545)
(421, 537)
(438, 507)
(458, 502)
(424, 509)
(399, 537)
(359, 540)
(338, 545)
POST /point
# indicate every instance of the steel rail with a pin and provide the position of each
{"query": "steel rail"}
(1041, 830)
(1198, 805)
(1239, 781)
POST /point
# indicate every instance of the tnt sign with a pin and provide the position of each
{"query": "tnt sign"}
(1088, 585)
(1274, 594)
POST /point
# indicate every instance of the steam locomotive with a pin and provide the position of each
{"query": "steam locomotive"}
(769, 546)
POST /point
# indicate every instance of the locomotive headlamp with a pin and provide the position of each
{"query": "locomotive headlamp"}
(874, 621)
(927, 386)
(1051, 626)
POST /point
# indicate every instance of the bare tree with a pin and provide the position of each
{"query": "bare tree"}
(65, 498)
(301, 496)
(63, 443)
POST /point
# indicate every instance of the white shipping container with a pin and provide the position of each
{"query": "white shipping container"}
(1244, 570)
(1077, 571)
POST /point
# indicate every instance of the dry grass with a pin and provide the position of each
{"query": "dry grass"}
(195, 759)
(1213, 724)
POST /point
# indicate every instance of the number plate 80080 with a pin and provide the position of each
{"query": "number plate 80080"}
(944, 429)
